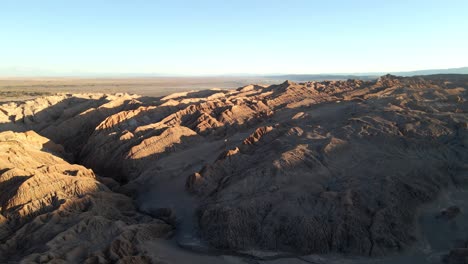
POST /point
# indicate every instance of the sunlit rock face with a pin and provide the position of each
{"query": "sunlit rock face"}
(338, 166)
(315, 167)
(53, 211)
(67, 119)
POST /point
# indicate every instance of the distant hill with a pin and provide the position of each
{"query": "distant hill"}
(364, 76)
(463, 70)
(321, 77)
(25, 72)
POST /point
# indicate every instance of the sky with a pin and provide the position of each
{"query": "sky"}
(208, 37)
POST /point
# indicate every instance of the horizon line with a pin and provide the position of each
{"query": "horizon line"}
(223, 75)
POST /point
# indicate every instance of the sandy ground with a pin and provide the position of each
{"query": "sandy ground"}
(15, 89)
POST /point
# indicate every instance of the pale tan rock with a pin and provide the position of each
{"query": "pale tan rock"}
(53, 211)
(315, 167)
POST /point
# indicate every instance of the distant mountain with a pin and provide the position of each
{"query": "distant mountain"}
(363, 76)
(321, 77)
(463, 70)
(36, 72)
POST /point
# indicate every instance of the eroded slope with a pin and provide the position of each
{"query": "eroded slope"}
(316, 167)
(56, 212)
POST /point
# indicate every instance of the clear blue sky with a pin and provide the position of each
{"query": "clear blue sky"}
(228, 37)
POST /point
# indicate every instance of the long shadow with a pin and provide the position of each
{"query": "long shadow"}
(182, 114)
(421, 185)
(188, 118)
(195, 94)
(72, 121)
(9, 187)
(69, 122)
(77, 135)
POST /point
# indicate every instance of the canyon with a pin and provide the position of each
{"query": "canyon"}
(356, 170)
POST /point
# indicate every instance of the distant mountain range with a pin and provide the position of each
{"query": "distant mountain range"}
(463, 70)
(364, 76)
(33, 72)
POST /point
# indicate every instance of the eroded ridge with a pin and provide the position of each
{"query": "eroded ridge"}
(315, 167)
(53, 211)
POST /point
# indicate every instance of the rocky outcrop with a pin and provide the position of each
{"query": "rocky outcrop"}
(55, 212)
(67, 119)
(315, 167)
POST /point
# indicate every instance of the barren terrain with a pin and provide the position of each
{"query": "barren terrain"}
(316, 172)
(14, 89)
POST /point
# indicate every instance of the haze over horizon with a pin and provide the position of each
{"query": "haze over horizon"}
(242, 37)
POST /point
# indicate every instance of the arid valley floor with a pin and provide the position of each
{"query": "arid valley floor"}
(352, 171)
(13, 89)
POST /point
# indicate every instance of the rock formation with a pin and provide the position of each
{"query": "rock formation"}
(56, 212)
(315, 167)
